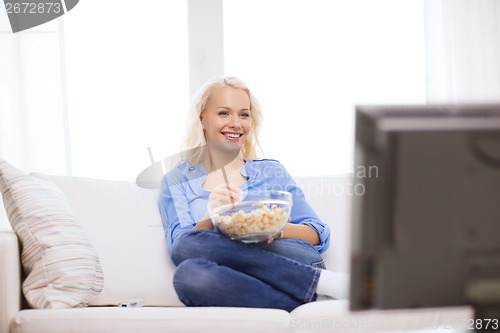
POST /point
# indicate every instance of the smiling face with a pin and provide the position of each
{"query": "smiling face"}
(227, 117)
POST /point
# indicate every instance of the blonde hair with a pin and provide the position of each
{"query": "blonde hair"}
(194, 143)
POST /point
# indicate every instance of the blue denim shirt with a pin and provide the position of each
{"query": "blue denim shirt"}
(183, 201)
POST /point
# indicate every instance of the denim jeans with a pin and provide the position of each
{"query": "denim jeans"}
(213, 270)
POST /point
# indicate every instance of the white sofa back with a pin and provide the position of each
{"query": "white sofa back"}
(124, 224)
(330, 197)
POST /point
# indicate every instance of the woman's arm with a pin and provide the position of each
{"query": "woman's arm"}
(301, 231)
(174, 206)
(204, 224)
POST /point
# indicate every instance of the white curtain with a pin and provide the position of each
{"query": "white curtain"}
(33, 127)
(463, 50)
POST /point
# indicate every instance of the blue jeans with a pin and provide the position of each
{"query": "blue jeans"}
(213, 270)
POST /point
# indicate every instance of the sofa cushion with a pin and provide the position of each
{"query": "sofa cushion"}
(124, 224)
(153, 320)
(61, 264)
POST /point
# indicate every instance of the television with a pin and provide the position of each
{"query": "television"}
(426, 222)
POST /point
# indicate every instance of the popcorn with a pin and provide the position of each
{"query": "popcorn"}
(261, 220)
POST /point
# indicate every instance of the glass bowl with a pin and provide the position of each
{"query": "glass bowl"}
(254, 220)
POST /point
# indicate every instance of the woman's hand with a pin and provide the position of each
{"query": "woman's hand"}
(221, 195)
(280, 234)
(224, 194)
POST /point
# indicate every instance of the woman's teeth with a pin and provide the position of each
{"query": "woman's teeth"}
(232, 135)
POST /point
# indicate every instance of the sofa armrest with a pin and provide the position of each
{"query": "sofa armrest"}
(10, 278)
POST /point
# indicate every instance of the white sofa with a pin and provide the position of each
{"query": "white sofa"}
(125, 228)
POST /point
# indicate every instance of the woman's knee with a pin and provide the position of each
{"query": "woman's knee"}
(186, 246)
(197, 244)
(191, 279)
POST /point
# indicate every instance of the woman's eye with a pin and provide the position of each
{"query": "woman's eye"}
(223, 113)
(245, 115)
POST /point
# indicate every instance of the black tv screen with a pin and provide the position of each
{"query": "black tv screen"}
(426, 231)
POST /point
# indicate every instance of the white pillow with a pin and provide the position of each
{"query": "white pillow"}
(62, 267)
(124, 224)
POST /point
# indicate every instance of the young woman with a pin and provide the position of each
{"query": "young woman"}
(221, 167)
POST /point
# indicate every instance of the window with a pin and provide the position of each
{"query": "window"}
(127, 84)
(310, 62)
